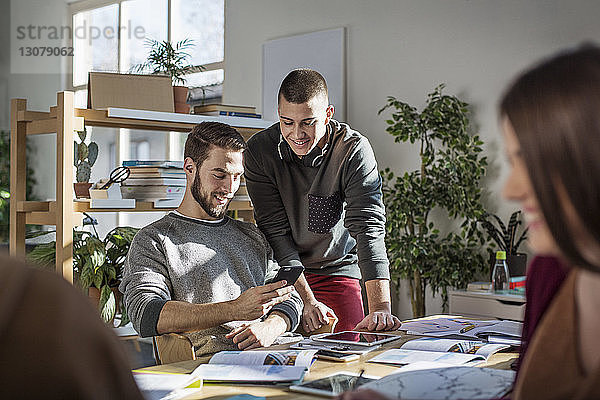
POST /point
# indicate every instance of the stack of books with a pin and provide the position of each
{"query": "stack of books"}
(227, 110)
(157, 181)
(242, 192)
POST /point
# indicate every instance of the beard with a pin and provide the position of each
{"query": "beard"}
(205, 199)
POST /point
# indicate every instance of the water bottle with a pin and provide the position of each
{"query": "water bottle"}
(500, 275)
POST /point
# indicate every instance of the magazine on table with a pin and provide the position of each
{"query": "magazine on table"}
(166, 386)
(448, 383)
(256, 366)
(463, 328)
(447, 351)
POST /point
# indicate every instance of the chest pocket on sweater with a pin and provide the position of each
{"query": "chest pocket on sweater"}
(323, 212)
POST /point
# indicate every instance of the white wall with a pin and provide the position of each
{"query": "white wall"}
(405, 48)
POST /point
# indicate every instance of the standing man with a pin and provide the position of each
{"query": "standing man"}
(317, 198)
(198, 272)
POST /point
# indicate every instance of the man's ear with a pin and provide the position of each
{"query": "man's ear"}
(329, 113)
(189, 166)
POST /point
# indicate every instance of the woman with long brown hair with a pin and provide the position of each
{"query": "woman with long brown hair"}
(551, 122)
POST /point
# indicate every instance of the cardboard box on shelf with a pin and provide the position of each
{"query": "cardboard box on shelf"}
(140, 92)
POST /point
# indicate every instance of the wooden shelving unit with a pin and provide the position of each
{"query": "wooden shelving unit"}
(63, 119)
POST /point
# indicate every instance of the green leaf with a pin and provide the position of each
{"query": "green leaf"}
(107, 305)
(98, 278)
(124, 316)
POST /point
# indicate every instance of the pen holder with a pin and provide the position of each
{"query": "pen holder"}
(113, 192)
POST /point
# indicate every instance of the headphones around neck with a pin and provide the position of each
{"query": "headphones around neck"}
(313, 159)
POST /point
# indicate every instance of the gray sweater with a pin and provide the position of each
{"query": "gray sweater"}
(185, 259)
(323, 211)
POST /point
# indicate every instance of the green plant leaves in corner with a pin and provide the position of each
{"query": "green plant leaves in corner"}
(447, 181)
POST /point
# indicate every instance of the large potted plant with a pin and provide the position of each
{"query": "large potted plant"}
(98, 266)
(505, 236)
(447, 179)
(174, 61)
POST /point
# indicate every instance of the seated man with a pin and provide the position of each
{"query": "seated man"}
(198, 272)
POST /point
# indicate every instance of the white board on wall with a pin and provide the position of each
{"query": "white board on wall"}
(323, 51)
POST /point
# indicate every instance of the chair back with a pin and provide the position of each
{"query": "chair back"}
(172, 347)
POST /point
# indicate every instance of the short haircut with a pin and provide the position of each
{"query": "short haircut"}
(554, 109)
(301, 85)
(207, 134)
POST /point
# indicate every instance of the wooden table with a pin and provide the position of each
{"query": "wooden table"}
(319, 369)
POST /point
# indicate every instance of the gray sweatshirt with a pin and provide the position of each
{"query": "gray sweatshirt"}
(324, 211)
(185, 259)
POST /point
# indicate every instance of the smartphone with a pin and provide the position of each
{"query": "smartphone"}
(336, 356)
(289, 273)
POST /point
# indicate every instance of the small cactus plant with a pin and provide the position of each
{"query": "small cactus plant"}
(84, 157)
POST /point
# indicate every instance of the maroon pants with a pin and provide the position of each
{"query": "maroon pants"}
(342, 295)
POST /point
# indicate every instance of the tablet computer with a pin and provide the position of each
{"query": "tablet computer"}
(333, 385)
(355, 337)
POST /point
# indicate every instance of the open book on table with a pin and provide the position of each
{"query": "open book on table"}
(458, 327)
(447, 351)
(274, 366)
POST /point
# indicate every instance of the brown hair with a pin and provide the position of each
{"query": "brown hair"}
(207, 134)
(301, 85)
(554, 109)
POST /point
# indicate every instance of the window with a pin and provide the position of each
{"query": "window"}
(110, 36)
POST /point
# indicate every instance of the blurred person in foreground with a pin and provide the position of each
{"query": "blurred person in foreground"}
(551, 123)
(53, 344)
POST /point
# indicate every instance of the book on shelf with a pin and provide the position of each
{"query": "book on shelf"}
(163, 173)
(167, 203)
(232, 114)
(148, 169)
(154, 182)
(152, 192)
(275, 366)
(153, 163)
(203, 109)
(446, 351)
(479, 286)
(241, 197)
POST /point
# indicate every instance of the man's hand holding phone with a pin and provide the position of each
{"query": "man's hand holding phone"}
(289, 273)
(258, 301)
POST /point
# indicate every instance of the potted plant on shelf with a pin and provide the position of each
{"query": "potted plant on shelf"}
(97, 264)
(447, 179)
(84, 157)
(174, 61)
(506, 238)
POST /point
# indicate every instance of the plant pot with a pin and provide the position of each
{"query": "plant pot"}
(182, 108)
(180, 94)
(517, 264)
(82, 189)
